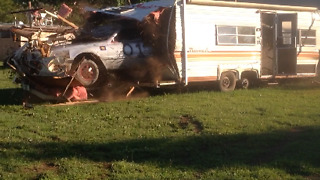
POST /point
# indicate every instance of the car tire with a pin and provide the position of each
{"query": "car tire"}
(227, 82)
(90, 72)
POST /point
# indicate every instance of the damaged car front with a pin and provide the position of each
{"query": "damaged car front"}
(42, 75)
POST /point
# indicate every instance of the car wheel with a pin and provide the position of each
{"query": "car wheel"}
(90, 72)
(227, 82)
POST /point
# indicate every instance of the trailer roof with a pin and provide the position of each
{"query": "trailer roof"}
(310, 3)
(252, 5)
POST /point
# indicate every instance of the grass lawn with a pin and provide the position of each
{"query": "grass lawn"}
(263, 133)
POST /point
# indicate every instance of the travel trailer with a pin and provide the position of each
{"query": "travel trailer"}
(245, 42)
(180, 42)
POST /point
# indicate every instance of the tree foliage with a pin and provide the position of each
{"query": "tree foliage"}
(77, 16)
(6, 7)
(100, 3)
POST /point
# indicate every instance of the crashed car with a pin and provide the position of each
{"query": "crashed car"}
(100, 51)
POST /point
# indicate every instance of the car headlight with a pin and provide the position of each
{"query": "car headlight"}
(54, 66)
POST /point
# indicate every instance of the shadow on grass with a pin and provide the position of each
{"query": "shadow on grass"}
(11, 96)
(295, 151)
(298, 84)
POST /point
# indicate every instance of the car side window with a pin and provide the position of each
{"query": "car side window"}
(127, 34)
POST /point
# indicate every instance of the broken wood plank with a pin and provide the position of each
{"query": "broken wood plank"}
(73, 103)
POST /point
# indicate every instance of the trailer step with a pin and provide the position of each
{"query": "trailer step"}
(273, 83)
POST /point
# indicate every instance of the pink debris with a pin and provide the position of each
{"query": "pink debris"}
(64, 10)
(156, 14)
(77, 93)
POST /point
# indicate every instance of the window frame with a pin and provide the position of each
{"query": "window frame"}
(301, 38)
(237, 36)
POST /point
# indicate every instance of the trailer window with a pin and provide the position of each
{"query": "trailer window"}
(236, 35)
(307, 37)
(286, 33)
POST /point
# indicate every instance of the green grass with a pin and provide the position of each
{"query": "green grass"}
(263, 133)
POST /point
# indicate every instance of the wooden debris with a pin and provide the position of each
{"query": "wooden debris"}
(74, 103)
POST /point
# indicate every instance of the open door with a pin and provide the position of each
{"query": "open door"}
(287, 44)
(279, 51)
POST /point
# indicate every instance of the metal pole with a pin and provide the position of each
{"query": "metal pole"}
(185, 55)
(30, 17)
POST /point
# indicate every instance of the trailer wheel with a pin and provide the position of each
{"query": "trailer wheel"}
(90, 72)
(227, 82)
(244, 83)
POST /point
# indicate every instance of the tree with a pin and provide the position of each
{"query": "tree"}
(77, 16)
(6, 7)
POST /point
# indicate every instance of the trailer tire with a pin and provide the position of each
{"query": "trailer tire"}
(227, 81)
(90, 72)
(244, 83)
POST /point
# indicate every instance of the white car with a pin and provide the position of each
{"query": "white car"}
(118, 49)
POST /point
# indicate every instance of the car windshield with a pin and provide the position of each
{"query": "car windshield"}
(103, 26)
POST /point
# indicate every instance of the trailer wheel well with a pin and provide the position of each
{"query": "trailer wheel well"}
(249, 74)
(236, 73)
(248, 79)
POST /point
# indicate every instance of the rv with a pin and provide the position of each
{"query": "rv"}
(245, 42)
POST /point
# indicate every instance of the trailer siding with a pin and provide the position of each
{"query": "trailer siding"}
(207, 59)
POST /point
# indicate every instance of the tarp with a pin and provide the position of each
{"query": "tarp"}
(137, 11)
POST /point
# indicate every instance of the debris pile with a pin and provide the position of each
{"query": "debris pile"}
(63, 63)
(35, 68)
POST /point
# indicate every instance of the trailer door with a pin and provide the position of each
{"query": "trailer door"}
(268, 46)
(278, 50)
(286, 49)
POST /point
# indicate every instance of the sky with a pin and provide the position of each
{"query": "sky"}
(312, 3)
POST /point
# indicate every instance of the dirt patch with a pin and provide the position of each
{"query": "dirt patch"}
(41, 169)
(186, 120)
(45, 167)
(120, 91)
(55, 138)
(108, 165)
(313, 177)
(296, 130)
